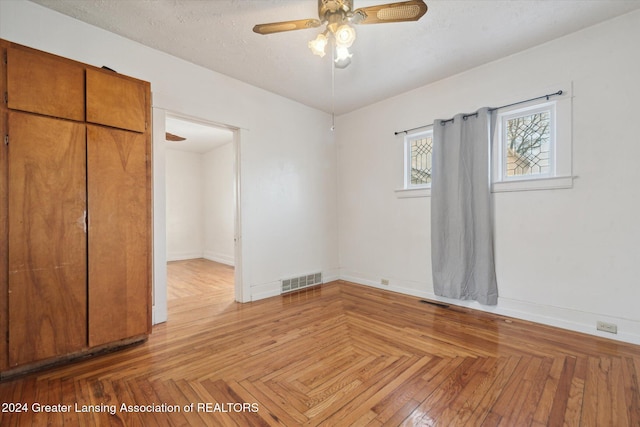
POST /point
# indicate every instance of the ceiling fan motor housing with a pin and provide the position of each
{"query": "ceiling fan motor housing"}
(328, 7)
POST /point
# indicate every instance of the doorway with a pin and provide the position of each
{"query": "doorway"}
(196, 202)
(199, 183)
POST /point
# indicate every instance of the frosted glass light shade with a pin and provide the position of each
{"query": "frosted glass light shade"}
(318, 45)
(345, 36)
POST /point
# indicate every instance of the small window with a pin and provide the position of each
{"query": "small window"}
(527, 143)
(418, 156)
(532, 145)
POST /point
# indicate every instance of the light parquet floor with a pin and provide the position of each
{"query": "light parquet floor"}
(338, 355)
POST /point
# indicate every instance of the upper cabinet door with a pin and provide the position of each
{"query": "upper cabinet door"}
(116, 101)
(45, 84)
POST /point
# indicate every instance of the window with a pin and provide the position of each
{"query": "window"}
(527, 143)
(532, 146)
(417, 164)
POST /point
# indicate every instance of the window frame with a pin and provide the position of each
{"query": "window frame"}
(500, 166)
(407, 159)
(561, 172)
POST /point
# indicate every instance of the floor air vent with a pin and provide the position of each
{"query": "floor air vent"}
(296, 283)
(436, 303)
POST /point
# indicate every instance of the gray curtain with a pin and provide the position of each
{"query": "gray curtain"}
(461, 209)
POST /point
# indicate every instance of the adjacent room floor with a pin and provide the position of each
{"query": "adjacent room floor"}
(339, 354)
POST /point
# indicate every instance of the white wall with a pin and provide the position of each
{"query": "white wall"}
(563, 257)
(218, 197)
(185, 205)
(288, 221)
(200, 204)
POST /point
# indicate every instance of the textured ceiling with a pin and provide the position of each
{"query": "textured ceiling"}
(387, 59)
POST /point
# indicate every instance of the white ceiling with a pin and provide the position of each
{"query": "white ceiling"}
(388, 59)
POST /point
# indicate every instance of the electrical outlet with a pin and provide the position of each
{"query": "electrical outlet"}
(384, 282)
(607, 327)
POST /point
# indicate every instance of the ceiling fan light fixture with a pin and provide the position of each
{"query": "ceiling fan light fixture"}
(318, 45)
(342, 57)
(342, 62)
(345, 35)
(342, 53)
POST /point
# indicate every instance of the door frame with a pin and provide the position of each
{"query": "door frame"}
(159, 295)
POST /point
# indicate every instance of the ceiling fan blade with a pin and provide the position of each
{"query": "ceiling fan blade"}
(173, 138)
(393, 12)
(278, 27)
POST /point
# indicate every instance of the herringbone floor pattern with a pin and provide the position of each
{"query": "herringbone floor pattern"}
(337, 355)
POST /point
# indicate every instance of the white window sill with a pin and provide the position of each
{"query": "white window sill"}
(554, 183)
(407, 193)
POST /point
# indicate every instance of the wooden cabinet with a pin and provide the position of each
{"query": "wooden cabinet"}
(75, 209)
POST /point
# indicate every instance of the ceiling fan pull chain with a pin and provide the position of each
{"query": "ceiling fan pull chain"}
(333, 87)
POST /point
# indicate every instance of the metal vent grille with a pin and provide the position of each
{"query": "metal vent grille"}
(296, 283)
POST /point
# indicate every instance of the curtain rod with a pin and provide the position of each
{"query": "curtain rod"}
(490, 110)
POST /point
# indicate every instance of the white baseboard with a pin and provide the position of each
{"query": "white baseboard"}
(265, 290)
(564, 318)
(218, 257)
(330, 275)
(181, 256)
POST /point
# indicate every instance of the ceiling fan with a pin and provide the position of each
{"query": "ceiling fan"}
(173, 138)
(338, 16)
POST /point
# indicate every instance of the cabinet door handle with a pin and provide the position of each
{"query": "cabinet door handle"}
(84, 221)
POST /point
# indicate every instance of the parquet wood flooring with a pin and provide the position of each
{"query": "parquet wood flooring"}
(337, 355)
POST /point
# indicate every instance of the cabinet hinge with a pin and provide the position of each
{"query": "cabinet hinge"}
(6, 97)
(4, 57)
(6, 140)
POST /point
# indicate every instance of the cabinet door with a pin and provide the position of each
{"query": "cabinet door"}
(119, 239)
(41, 83)
(47, 238)
(116, 101)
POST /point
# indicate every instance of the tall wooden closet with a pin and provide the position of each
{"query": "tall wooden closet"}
(75, 209)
